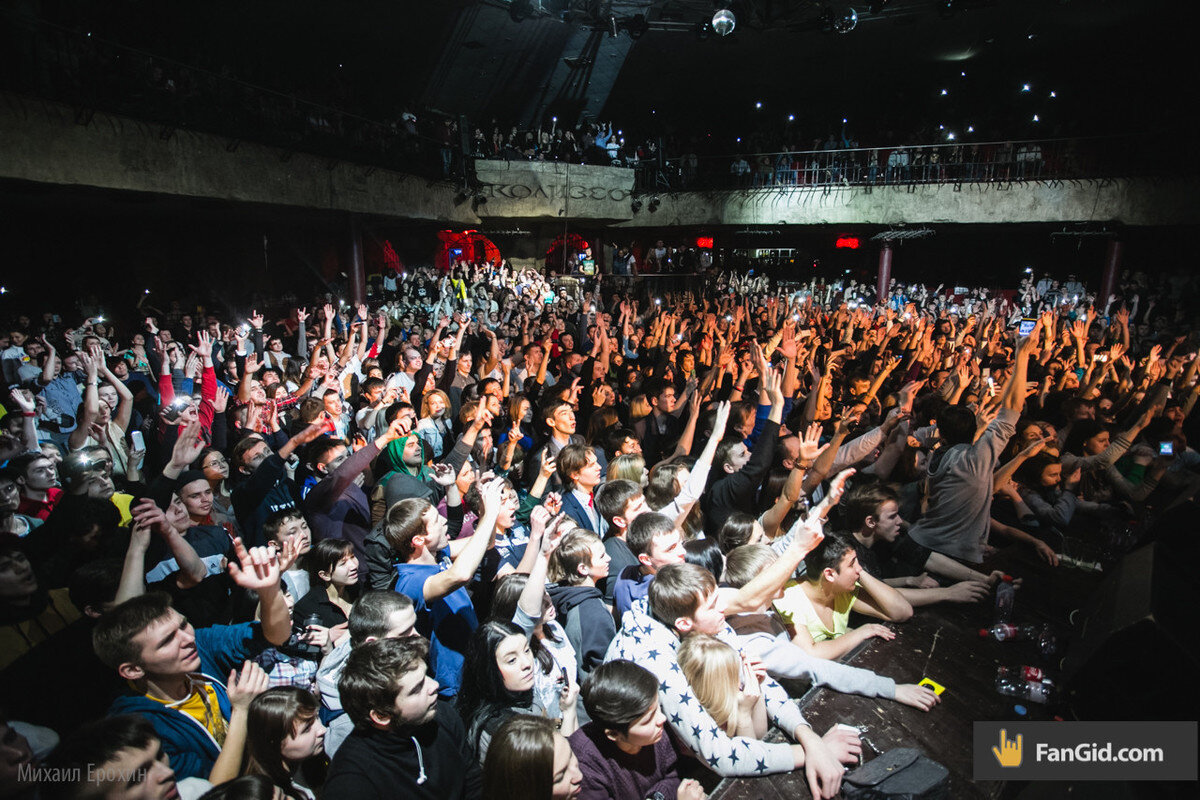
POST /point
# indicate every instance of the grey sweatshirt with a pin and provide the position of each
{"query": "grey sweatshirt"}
(960, 493)
(783, 659)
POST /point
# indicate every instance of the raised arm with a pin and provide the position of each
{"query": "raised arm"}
(463, 569)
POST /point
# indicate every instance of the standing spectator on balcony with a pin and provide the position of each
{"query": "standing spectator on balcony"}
(897, 165)
(740, 169)
(447, 129)
(764, 173)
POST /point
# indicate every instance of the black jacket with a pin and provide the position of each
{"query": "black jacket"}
(380, 765)
(588, 622)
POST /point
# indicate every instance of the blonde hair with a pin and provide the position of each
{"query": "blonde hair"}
(712, 669)
(639, 407)
(428, 396)
(629, 467)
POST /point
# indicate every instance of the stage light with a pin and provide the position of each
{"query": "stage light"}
(970, 129)
(1035, 118)
(723, 22)
(944, 93)
(846, 22)
(1052, 94)
(950, 135)
(636, 206)
(1025, 87)
(758, 104)
(791, 117)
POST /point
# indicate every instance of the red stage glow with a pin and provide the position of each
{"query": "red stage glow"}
(847, 243)
(704, 242)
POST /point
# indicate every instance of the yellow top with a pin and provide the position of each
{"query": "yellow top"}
(797, 610)
(203, 706)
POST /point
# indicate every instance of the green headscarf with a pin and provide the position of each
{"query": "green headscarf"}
(392, 459)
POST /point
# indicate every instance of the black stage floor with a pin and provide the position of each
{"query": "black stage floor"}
(941, 642)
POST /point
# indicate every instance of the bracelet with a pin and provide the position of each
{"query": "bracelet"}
(28, 414)
(805, 465)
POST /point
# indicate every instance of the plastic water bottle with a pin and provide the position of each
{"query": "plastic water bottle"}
(1086, 566)
(1006, 632)
(1006, 598)
(1023, 673)
(1048, 641)
(1033, 691)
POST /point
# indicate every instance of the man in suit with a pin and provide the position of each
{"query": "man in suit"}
(580, 473)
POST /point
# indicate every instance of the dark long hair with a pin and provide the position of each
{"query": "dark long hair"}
(505, 597)
(275, 715)
(521, 754)
(482, 698)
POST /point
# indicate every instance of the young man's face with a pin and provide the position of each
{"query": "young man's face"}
(563, 421)
(416, 699)
(167, 647)
(142, 773)
(197, 498)
(588, 477)
(634, 509)
(665, 401)
(296, 529)
(255, 455)
(887, 521)
(847, 573)
(630, 447)
(739, 456)
(709, 616)
(41, 475)
(665, 550)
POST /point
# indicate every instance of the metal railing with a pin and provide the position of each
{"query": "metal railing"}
(950, 162)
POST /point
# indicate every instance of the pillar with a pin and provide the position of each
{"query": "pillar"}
(355, 275)
(1112, 267)
(885, 271)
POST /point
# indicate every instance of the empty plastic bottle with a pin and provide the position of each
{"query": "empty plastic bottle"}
(1023, 673)
(1034, 691)
(1006, 598)
(1006, 632)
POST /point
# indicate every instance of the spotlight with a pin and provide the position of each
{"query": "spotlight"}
(637, 26)
(723, 22)
(846, 22)
(654, 203)
(635, 206)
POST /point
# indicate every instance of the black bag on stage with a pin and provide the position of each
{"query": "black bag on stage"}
(902, 774)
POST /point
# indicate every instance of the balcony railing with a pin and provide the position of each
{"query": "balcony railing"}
(946, 163)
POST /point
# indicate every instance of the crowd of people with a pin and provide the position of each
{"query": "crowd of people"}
(499, 537)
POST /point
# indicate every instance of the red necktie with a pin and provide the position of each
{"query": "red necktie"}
(590, 503)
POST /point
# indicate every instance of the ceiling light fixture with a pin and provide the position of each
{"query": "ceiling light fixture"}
(723, 22)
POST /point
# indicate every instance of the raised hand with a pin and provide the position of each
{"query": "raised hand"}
(256, 320)
(243, 687)
(837, 487)
(443, 474)
(810, 443)
(24, 400)
(301, 315)
(256, 569)
(221, 400)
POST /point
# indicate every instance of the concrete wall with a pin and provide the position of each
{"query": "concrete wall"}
(1132, 202)
(41, 142)
(546, 189)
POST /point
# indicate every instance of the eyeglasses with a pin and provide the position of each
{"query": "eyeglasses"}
(216, 461)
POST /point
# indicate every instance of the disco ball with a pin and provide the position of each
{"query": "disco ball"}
(723, 22)
(846, 22)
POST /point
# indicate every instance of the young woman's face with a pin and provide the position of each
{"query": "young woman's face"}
(215, 467)
(515, 660)
(306, 740)
(1096, 444)
(437, 406)
(647, 730)
(568, 779)
(346, 571)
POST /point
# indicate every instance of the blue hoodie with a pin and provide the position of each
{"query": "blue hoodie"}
(192, 749)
